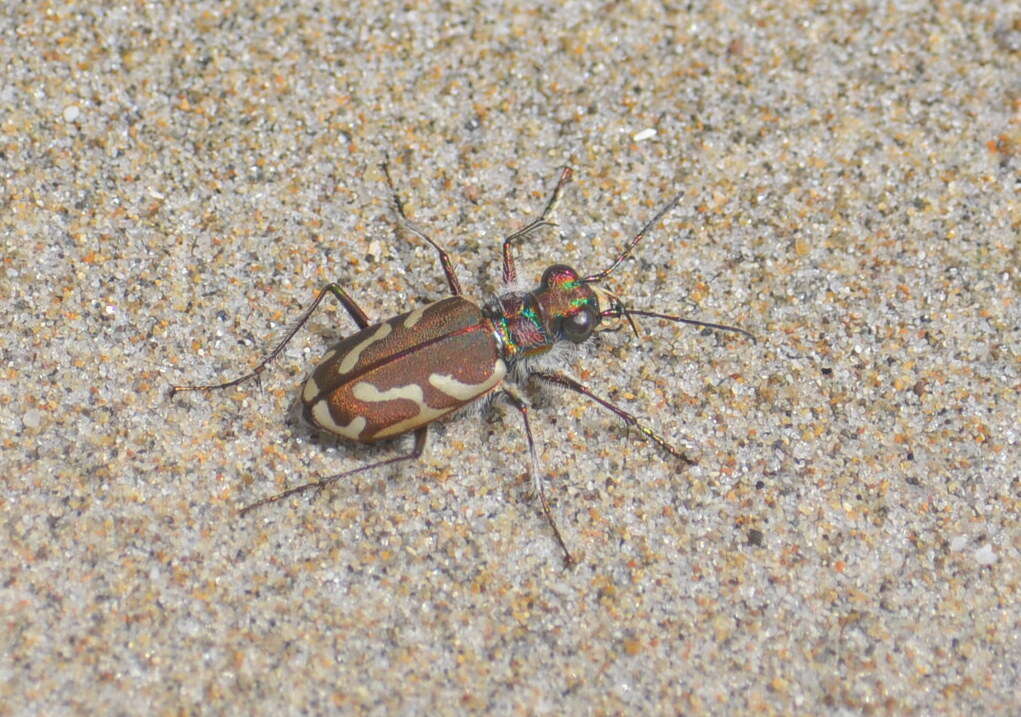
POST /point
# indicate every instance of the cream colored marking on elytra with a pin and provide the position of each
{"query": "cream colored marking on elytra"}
(467, 391)
(365, 391)
(311, 389)
(323, 417)
(415, 316)
(351, 359)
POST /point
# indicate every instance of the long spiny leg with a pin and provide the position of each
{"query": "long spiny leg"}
(448, 267)
(559, 379)
(522, 407)
(509, 273)
(318, 485)
(346, 301)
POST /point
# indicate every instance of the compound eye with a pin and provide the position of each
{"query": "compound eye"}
(578, 326)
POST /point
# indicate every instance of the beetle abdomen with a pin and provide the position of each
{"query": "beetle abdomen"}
(405, 372)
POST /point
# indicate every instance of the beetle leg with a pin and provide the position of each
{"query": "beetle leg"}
(318, 485)
(559, 379)
(346, 301)
(448, 268)
(509, 273)
(522, 407)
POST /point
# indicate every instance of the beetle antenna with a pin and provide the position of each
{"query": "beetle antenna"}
(626, 251)
(620, 310)
(634, 326)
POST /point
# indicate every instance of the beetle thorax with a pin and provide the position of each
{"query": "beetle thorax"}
(519, 325)
(561, 308)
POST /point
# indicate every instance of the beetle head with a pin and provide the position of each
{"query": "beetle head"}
(569, 306)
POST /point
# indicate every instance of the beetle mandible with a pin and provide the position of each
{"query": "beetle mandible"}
(399, 375)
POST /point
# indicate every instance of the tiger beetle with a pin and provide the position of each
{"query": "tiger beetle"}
(400, 375)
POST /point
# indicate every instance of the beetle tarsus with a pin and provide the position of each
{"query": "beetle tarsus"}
(322, 483)
(448, 267)
(509, 272)
(342, 296)
(559, 379)
(519, 403)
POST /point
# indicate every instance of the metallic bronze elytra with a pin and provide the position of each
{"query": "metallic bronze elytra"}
(400, 375)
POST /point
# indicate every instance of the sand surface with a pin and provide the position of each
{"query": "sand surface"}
(177, 183)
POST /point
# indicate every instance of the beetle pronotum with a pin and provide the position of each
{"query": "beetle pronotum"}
(399, 375)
